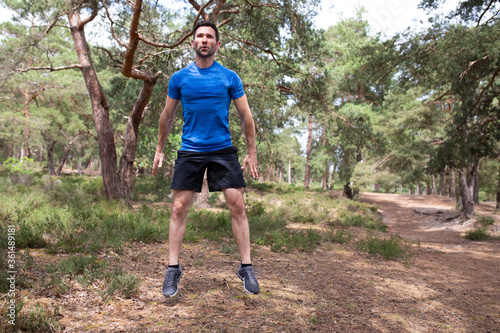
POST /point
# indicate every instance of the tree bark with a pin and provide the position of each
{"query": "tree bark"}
(126, 170)
(452, 184)
(442, 182)
(290, 171)
(433, 190)
(498, 185)
(66, 154)
(100, 108)
(466, 195)
(326, 169)
(50, 157)
(475, 191)
(308, 154)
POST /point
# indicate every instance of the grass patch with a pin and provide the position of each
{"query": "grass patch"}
(69, 214)
(360, 215)
(478, 234)
(121, 283)
(485, 221)
(38, 319)
(341, 236)
(86, 270)
(276, 187)
(390, 249)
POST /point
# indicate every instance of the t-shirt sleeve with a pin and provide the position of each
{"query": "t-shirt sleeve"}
(174, 88)
(236, 90)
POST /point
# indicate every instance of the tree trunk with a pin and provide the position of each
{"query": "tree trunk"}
(50, 158)
(452, 184)
(66, 154)
(308, 154)
(40, 156)
(475, 190)
(126, 170)
(498, 185)
(290, 171)
(100, 108)
(466, 195)
(326, 169)
(433, 191)
(442, 180)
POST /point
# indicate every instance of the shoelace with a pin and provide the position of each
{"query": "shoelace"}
(169, 278)
(251, 275)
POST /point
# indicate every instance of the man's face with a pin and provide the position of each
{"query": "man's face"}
(204, 43)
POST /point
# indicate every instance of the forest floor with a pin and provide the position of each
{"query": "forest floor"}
(449, 285)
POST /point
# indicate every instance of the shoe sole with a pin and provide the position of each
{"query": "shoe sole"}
(182, 273)
(243, 279)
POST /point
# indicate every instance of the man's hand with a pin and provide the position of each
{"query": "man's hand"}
(251, 160)
(157, 162)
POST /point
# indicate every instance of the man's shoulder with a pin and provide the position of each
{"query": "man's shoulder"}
(187, 68)
(224, 69)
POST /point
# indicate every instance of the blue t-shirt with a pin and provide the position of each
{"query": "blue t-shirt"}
(205, 94)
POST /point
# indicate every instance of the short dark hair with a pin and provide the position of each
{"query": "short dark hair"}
(206, 24)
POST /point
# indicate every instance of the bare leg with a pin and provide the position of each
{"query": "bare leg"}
(177, 227)
(239, 221)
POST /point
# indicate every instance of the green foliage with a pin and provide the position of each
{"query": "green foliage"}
(39, 319)
(389, 249)
(360, 215)
(341, 236)
(275, 187)
(119, 282)
(71, 216)
(485, 221)
(23, 165)
(477, 234)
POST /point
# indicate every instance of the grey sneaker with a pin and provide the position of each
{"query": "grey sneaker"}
(247, 275)
(170, 284)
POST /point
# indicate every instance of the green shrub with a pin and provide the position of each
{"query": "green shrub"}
(361, 218)
(290, 240)
(478, 234)
(485, 221)
(119, 282)
(39, 320)
(392, 248)
(341, 236)
(24, 165)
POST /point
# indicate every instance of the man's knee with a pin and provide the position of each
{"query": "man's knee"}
(182, 203)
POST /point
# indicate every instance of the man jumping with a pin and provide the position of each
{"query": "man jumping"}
(205, 88)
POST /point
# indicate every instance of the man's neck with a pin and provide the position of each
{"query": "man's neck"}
(204, 62)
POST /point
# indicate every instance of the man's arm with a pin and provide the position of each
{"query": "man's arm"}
(248, 127)
(166, 121)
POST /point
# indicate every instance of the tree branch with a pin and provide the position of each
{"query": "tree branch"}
(268, 51)
(200, 9)
(471, 63)
(49, 68)
(95, 9)
(261, 5)
(482, 92)
(112, 26)
(487, 8)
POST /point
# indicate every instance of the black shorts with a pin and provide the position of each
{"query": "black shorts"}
(223, 170)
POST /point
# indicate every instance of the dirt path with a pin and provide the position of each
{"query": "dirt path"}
(452, 285)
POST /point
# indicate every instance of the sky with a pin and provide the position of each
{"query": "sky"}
(385, 16)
